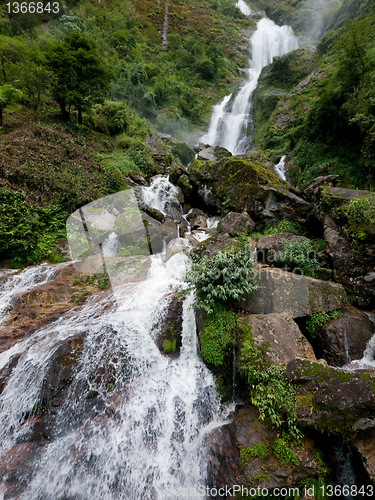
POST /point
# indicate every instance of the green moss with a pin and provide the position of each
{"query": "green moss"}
(260, 450)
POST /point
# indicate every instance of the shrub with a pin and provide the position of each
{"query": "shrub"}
(223, 278)
(283, 226)
(217, 336)
(256, 450)
(283, 453)
(296, 254)
(361, 216)
(110, 118)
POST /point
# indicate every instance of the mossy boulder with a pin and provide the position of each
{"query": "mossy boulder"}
(240, 185)
(337, 399)
(235, 224)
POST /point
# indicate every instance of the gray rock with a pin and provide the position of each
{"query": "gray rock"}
(235, 223)
(293, 294)
(269, 246)
(284, 339)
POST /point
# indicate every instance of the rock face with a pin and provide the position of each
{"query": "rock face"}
(293, 294)
(284, 339)
(218, 243)
(269, 246)
(225, 466)
(332, 399)
(235, 224)
(345, 339)
(352, 257)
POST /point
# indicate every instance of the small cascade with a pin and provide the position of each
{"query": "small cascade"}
(23, 282)
(268, 41)
(280, 168)
(218, 113)
(213, 222)
(368, 360)
(346, 347)
(244, 8)
(162, 195)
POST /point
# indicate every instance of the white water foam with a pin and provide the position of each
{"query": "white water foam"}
(280, 168)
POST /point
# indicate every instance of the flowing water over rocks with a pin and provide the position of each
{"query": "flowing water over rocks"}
(92, 408)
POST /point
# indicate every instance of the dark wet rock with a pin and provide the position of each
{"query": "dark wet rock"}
(170, 326)
(324, 180)
(330, 398)
(364, 442)
(197, 218)
(235, 223)
(292, 294)
(282, 336)
(224, 463)
(345, 339)
(152, 212)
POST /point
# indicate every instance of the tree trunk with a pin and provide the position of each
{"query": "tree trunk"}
(80, 116)
(64, 112)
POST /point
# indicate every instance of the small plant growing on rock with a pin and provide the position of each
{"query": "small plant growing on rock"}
(256, 450)
(297, 255)
(169, 346)
(317, 320)
(283, 226)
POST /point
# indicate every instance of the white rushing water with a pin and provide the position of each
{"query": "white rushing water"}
(268, 41)
(161, 194)
(280, 168)
(368, 360)
(244, 8)
(132, 421)
(218, 113)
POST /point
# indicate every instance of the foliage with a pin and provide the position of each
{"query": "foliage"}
(297, 255)
(319, 319)
(183, 152)
(284, 454)
(256, 450)
(272, 393)
(361, 216)
(223, 278)
(216, 338)
(9, 97)
(37, 81)
(169, 346)
(82, 76)
(111, 118)
(28, 233)
(283, 226)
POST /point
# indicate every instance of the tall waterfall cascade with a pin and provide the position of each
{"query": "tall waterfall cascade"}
(229, 122)
(244, 8)
(132, 421)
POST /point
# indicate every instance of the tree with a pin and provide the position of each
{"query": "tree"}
(37, 81)
(9, 97)
(82, 76)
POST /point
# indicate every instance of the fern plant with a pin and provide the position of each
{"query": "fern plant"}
(297, 255)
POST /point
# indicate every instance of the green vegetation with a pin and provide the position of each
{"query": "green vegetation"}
(298, 255)
(9, 97)
(169, 346)
(222, 279)
(217, 336)
(260, 450)
(283, 226)
(272, 393)
(319, 319)
(361, 217)
(284, 453)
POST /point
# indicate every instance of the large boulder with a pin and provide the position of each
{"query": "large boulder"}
(282, 336)
(344, 339)
(332, 399)
(240, 185)
(292, 294)
(235, 224)
(218, 243)
(224, 462)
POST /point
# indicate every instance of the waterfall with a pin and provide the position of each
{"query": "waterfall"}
(368, 360)
(161, 194)
(130, 424)
(280, 168)
(216, 120)
(244, 8)
(268, 41)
